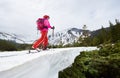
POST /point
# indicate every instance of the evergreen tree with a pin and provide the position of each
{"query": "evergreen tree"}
(103, 36)
(115, 31)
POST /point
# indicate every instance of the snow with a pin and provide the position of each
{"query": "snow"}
(52, 61)
(66, 36)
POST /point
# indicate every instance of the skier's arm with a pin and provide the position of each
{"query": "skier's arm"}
(46, 23)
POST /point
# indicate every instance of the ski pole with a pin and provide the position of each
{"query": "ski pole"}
(53, 36)
(53, 32)
(37, 32)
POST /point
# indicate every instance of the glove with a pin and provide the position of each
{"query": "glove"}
(53, 27)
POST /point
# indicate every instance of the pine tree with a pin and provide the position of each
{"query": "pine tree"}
(115, 31)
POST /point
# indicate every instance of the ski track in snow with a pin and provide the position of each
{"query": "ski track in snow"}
(52, 60)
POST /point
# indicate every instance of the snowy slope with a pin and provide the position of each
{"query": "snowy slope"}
(51, 61)
(12, 37)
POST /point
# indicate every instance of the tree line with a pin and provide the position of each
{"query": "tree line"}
(7, 45)
(107, 35)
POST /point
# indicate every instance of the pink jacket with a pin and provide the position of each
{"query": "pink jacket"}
(46, 23)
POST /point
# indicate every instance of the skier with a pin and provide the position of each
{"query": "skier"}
(43, 40)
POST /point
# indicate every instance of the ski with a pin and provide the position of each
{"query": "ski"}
(33, 51)
(37, 51)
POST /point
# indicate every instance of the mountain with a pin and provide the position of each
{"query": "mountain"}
(96, 32)
(11, 37)
(67, 36)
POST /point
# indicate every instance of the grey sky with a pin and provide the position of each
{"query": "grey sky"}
(19, 16)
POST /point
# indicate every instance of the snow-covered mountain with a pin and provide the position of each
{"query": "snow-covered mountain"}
(67, 36)
(11, 37)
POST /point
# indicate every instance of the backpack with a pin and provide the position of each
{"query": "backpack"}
(40, 24)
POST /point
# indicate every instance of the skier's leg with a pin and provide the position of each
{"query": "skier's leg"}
(45, 42)
(39, 41)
